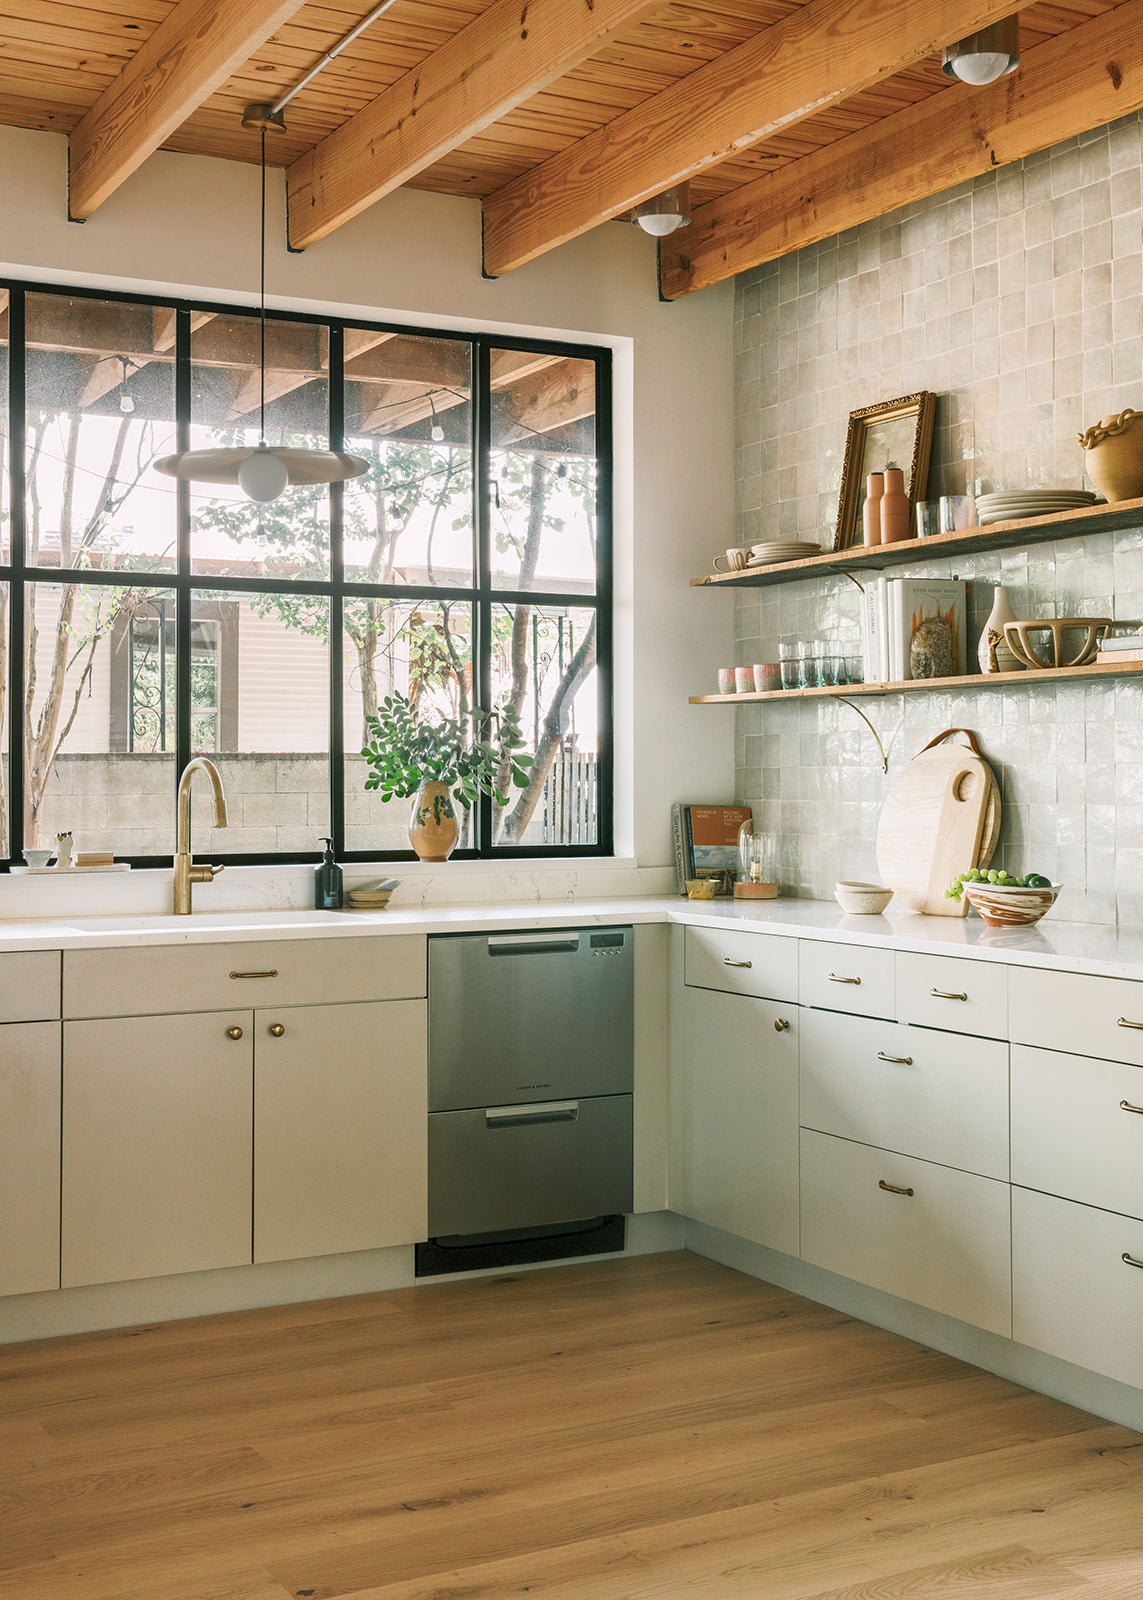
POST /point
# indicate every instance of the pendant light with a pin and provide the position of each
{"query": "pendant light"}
(663, 213)
(985, 56)
(262, 471)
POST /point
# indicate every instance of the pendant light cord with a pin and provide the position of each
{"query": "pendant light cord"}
(262, 306)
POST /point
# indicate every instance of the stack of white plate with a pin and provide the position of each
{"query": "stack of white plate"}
(1013, 504)
(770, 551)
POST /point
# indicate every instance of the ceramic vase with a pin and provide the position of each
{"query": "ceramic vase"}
(992, 652)
(871, 512)
(1113, 455)
(894, 507)
(433, 830)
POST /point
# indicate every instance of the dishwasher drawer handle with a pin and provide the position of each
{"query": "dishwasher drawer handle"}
(533, 944)
(898, 1061)
(1125, 1105)
(892, 1188)
(727, 962)
(946, 994)
(522, 1116)
(1122, 1022)
(1131, 1261)
(833, 978)
(273, 973)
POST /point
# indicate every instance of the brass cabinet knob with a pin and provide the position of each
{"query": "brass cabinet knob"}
(234, 1033)
(781, 1025)
(277, 1029)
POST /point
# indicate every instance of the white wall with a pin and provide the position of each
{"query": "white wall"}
(188, 224)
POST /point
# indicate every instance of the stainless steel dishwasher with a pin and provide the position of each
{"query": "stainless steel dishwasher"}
(531, 1049)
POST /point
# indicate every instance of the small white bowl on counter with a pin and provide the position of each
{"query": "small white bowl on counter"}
(862, 899)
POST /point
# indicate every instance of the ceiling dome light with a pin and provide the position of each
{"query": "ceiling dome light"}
(985, 56)
(665, 212)
(263, 475)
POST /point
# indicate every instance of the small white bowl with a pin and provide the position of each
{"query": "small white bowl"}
(862, 899)
(38, 858)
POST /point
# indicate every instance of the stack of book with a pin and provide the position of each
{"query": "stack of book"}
(894, 608)
(706, 843)
(1120, 648)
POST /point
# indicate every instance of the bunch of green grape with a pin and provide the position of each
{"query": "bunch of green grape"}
(1006, 880)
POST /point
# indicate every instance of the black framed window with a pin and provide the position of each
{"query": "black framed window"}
(143, 621)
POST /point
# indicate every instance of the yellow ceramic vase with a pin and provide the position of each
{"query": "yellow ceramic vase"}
(433, 830)
(1113, 455)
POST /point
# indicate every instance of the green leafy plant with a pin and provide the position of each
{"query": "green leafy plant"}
(405, 751)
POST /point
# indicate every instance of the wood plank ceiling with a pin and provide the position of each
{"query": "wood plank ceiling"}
(793, 119)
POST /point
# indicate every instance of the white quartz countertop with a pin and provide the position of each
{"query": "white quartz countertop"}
(1072, 947)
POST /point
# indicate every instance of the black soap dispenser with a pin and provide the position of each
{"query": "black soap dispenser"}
(328, 887)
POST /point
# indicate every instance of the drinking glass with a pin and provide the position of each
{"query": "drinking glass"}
(788, 663)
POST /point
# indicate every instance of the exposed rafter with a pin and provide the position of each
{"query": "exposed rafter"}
(507, 54)
(817, 56)
(1076, 81)
(191, 53)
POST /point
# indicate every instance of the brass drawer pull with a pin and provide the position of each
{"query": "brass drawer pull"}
(891, 1188)
(727, 962)
(273, 973)
(946, 994)
(833, 978)
(1125, 1105)
(1122, 1022)
(898, 1061)
(781, 1025)
(1131, 1261)
(234, 1033)
(277, 1029)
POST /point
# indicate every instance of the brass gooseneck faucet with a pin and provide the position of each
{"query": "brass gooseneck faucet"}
(186, 871)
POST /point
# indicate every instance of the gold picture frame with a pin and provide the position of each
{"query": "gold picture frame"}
(895, 433)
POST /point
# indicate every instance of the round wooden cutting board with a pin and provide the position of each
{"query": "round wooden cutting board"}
(941, 816)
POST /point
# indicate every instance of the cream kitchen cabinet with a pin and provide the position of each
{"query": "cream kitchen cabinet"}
(157, 1132)
(839, 977)
(340, 1144)
(29, 1155)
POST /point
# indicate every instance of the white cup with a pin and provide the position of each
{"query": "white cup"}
(734, 560)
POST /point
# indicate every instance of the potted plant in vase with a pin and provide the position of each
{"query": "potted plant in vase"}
(438, 762)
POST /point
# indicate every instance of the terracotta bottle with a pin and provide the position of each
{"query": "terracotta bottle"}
(894, 507)
(871, 513)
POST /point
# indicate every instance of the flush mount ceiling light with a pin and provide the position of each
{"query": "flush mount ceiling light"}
(263, 471)
(665, 212)
(985, 56)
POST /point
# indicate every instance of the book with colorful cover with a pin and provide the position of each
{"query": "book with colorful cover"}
(912, 601)
(710, 842)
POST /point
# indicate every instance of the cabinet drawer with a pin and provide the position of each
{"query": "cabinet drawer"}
(935, 1095)
(1072, 1011)
(962, 996)
(945, 1245)
(761, 964)
(211, 977)
(1073, 1295)
(30, 986)
(1074, 1132)
(844, 977)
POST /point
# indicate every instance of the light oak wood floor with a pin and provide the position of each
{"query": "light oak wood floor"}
(660, 1428)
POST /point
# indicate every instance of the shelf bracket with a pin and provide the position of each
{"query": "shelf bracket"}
(872, 729)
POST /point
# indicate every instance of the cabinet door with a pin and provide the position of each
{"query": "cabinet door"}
(29, 1157)
(1074, 1011)
(340, 1144)
(924, 1232)
(741, 961)
(1077, 1128)
(740, 1087)
(940, 1096)
(846, 977)
(960, 995)
(157, 1131)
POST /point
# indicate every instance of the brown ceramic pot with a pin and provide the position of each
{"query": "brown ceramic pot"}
(895, 508)
(1113, 455)
(432, 827)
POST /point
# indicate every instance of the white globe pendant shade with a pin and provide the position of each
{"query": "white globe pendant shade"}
(262, 471)
(984, 56)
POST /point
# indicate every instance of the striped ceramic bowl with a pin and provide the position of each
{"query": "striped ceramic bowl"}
(1004, 906)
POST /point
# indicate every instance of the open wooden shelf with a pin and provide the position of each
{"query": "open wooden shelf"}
(991, 680)
(996, 536)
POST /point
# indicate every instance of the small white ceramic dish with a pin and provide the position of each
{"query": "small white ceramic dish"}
(38, 858)
(862, 899)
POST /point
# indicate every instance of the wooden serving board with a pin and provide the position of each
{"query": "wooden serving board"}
(940, 817)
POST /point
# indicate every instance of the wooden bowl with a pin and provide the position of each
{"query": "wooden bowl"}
(1018, 638)
(1002, 905)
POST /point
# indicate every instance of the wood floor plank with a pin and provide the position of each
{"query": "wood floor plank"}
(659, 1428)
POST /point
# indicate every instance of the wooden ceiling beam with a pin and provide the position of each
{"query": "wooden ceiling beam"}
(1075, 81)
(821, 54)
(560, 395)
(500, 59)
(193, 51)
